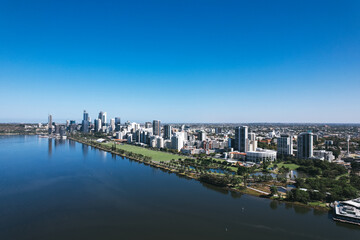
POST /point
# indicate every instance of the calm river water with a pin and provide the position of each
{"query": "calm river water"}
(51, 189)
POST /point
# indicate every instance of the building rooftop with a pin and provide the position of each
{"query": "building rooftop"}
(350, 208)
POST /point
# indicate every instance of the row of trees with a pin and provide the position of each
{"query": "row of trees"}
(324, 189)
(220, 180)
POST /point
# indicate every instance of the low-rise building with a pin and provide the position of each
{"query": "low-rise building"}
(324, 155)
(260, 155)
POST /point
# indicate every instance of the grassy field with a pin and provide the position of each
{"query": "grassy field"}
(155, 155)
(319, 204)
(291, 166)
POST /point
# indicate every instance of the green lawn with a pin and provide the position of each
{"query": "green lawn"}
(155, 155)
(291, 166)
(320, 204)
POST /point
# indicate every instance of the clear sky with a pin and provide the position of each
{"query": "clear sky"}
(181, 61)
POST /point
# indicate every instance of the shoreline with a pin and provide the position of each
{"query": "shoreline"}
(246, 190)
(25, 134)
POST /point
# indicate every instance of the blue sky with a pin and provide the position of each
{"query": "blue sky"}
(181, 61)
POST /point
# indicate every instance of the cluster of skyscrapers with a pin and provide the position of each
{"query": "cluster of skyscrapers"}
(239, 144)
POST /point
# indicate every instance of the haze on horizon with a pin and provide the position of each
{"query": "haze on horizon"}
(181, 61)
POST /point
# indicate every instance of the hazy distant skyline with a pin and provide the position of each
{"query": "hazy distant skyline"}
(181, 61)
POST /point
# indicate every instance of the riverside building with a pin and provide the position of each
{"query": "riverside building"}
(285, 144)
(305, 145)
(156, 127)
(241, 139)
(260, 155)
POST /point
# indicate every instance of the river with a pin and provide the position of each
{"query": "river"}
(60, 189)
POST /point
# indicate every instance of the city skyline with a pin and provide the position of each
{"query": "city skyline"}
(194, 119)
(93, 117)
(211, 62)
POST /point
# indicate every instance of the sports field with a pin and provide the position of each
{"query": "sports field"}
(155, 155)
(291, 166)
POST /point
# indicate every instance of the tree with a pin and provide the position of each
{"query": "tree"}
(298, 196)
(242, 170)
(273, 190)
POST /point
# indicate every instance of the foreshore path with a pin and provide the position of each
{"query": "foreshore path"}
(254, 189)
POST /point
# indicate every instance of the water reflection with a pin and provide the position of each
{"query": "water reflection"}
(288, 205)
(318, 212)
(59, 142)
(50, 147)
(103, 155)
(130, 198)
(85, 149)
(274, 205)
(301, 209)
(217, 189)
(236, 194)
(72, 144)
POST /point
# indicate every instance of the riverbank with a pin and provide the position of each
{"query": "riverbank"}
(17, 134)
(191, 175)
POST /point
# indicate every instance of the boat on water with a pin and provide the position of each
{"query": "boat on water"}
(347, 211)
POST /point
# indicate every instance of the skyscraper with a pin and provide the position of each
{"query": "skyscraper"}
(112, 124)
(202, 136)
(305, 145)
(285, 144)
(97, 125)
(85, 115)
(177, 140)
(117, 124)
(85, 122)
(241, 139)
(167, 131)
(50, 124)
(147, 124)
(102, 117)
(156, 127)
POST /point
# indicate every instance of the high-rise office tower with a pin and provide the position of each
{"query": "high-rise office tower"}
(85, 115)
(85, 122)
(202, 136)
(148, 125)
(156, 127)
(241, 139)
(117, 124)
(112, 124)
(104, 120)
(285, 144)
(167, 132)
(97, 125)
(305, 145)
(102, 117)
(50, 124)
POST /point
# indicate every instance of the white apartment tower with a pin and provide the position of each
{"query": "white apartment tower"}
(285, 144)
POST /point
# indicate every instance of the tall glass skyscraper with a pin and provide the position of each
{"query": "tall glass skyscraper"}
(305, 145)
(50, 124)
(241, 139)
(85, 122)
(156, 127)
(167, 132)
